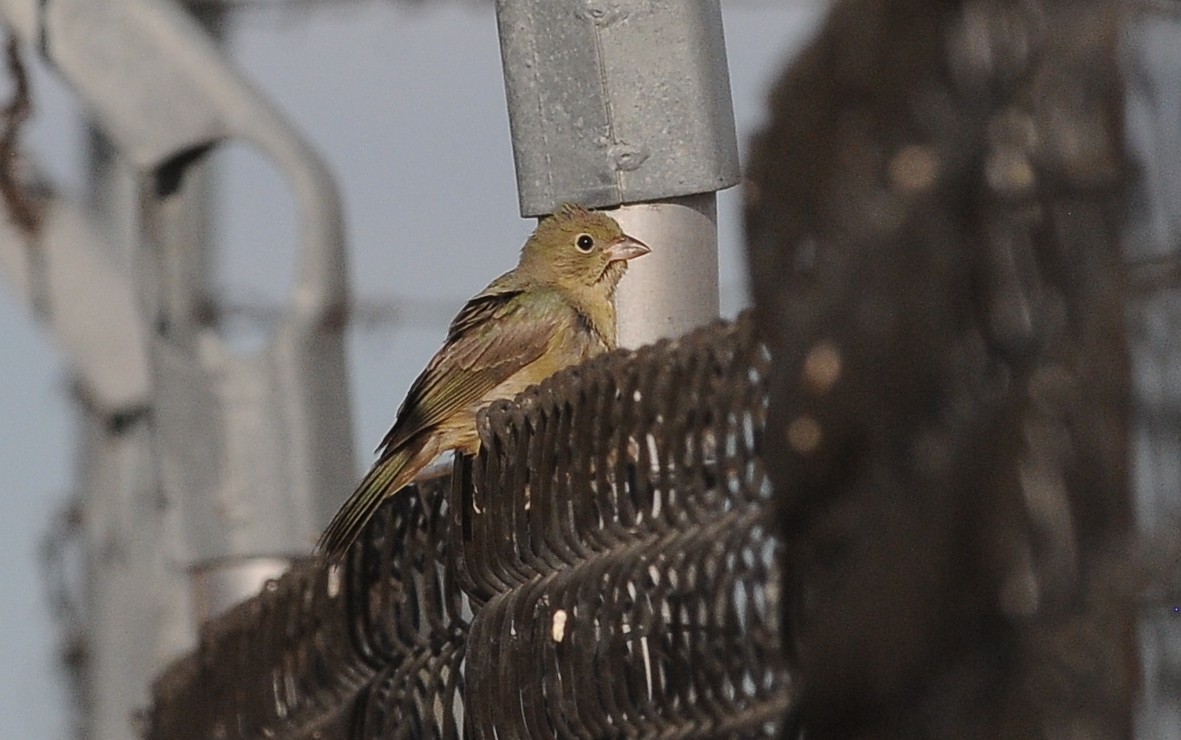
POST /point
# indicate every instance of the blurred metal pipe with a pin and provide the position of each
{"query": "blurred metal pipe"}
(134, 608)
(675, 287)
(196, 462)
(252, 452)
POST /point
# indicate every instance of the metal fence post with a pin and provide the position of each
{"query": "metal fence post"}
(230, 464)
(132, 614)
(252, 449)
(627, 103)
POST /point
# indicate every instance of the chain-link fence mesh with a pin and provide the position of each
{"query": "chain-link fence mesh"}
(937, 214)
(602, 568)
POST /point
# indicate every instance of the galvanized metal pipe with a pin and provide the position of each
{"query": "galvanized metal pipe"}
(252, 451)
(627, 102)
(675, 287)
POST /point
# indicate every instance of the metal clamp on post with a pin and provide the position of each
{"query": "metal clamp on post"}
(253, 450)
(616, 102)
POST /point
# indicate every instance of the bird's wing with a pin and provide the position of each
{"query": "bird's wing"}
(483, 307)
(495, 335)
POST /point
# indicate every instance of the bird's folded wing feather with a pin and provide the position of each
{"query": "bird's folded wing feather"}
(495, 335)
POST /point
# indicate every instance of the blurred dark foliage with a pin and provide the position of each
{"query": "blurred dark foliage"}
(934, 209)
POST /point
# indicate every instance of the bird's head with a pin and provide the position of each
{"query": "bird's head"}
(577, 247)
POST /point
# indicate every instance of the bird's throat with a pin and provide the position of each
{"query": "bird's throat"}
(612, 274)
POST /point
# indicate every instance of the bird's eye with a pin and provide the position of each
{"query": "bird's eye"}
(585, 243)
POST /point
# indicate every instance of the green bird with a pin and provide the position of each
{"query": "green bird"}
(554, 310)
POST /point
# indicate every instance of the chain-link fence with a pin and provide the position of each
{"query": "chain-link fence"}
(604, 567)
(937, 217)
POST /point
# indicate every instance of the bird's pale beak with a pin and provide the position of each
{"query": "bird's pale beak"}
(625, 248)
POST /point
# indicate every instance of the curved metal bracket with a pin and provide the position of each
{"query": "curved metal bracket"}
(253, 450)
(161, 91)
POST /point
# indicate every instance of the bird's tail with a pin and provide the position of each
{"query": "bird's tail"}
(384, 479)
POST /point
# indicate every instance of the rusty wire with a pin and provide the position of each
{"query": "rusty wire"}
(23, 209)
